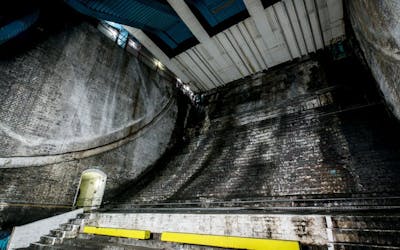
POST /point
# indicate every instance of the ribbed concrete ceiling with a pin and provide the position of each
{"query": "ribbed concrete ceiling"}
(225, 40)
(155, 17)
(281, 32)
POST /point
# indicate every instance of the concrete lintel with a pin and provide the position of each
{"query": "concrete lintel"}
(187, 16)
(257, 12)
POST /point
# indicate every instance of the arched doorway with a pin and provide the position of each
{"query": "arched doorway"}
(91, 189)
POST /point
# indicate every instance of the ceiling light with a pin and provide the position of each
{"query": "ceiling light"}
(158, 64)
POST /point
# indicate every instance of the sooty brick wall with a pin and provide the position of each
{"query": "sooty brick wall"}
(73, 100)
(376, 26)
(312, 128)
(73, 91)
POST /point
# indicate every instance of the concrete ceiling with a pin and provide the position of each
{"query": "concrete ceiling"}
(281, 32)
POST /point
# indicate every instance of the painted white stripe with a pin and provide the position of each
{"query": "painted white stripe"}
(329, 232)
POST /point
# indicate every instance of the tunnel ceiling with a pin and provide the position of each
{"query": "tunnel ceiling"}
(16, 17)
(208, 43)
(155, 17)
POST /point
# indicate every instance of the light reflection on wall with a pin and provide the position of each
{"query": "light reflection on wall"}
(121, 36)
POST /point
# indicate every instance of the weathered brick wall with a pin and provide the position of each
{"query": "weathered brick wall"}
(376, 26)
(312, 128)
(73, 101)
(73, 91)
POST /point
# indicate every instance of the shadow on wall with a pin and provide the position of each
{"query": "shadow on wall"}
(360, 146)
(249, 158)
(128, 188)
(305, 130)
(376, 26)
(218, 148)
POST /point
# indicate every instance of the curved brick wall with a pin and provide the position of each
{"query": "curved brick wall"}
(74, 91)
(74, 100)
(376, 25)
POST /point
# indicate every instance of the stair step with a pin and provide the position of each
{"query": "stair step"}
(50, 240)
(290, 204)
(85, 216)
(64, 233)
(107, 239)
(366, 222)
(58, 233)
(154, 243)
(69, 227)
(61, 247)
(77, 221)
(92, 244)
(37, 245)
(365, 236)
(347, 246)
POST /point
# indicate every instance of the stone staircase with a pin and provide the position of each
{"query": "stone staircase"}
(344, 232)
(65, 231)
(363, 232)
(289, 204)
(68, 237)
(87, 241)
(92, 242)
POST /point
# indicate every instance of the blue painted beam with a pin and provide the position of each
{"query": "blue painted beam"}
(140, 14)
(153, 16)
(218, 11)
(16, 27)
(104, 15)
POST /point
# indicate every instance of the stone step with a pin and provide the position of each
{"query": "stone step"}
(93, 244)
(37, 245)
(367, 236)
(58, 233)
(366, 222)
(153, 243)
(50, 240)
(340, 204)
(85, 216)
(104, 239)
(69, 227)
(63, 233)
(347, 246)
(77, 221)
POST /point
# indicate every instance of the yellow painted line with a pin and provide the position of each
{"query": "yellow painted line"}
(118, 232)
(230, 241)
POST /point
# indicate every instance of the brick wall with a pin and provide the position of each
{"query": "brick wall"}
(73, 91)
(315, 128)
(375, 25)
(69, 101)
